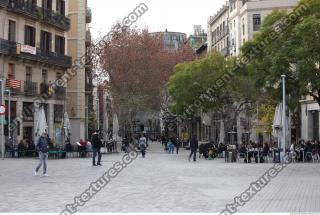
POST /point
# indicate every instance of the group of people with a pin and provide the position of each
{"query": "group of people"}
(305, 151)
(171, 143)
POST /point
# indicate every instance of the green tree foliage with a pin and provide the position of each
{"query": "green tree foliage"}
(289, 44)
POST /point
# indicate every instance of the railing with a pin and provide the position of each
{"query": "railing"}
(56, 19)
(44, 88)
(24, 8)
(60, 92)
(13, 86)
(3, 3)
(51, 58)
(33, 11)
(88, 16)
(30, 88)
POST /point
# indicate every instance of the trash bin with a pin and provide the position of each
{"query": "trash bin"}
(276, 156)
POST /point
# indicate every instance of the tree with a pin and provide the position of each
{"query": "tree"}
(189, 86)
(137, 67)
(295, 52)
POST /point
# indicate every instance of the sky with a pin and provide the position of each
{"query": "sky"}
(174, 15)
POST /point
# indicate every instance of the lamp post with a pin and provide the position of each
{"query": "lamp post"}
(9, 115)
(283, 116)
(2, 119)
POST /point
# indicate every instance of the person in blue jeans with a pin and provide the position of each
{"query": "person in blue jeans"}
(170, 147)
(43, 148)
(96, 146)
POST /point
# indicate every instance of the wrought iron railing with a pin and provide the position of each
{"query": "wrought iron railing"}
(30, 88)
(51, 58)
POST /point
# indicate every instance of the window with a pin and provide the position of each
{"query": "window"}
(45, 41)
(256, 22)
(243, 29)
(47, 4)
(11, 71)
(61, 5)
(12, 31)
(44, 76)
(30, 36)
(60, 45)
(28, 74)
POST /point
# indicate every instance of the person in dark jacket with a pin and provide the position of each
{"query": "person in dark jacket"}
(193, 148)
(96, 146)
(43, 148)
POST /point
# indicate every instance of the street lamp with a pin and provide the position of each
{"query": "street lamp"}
(283, 115)
(2, 123)
(9, 115)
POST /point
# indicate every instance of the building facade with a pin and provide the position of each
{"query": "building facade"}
(79, 91)
(234, 24)
(218, 31)
(171, 40)
(33, 55)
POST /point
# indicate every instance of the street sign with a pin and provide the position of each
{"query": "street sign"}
(2, 110)
(3, 121)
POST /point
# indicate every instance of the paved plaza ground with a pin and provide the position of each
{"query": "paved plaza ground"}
(158, 183)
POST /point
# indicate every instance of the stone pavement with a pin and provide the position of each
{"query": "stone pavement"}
(159, 183)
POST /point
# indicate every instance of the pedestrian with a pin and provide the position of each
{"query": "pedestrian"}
(170, 147)
(96, 146)
(177, 144)
(143, 145)
(193, 148)
(43, 148)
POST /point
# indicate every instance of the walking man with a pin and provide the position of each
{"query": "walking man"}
(193, 148)
(43, 148)
(96, 146)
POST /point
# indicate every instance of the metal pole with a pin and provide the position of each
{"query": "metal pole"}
(283, 115)
(2, 123)
(9, 116)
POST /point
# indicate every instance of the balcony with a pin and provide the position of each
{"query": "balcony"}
(37, 13)
(3, 3)
(55, 19)
(50, 58)
(24, 8)
(14, 86)
(88, 16)
(30, 88)
(60, 92)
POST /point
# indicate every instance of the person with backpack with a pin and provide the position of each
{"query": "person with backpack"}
(96, 146)
(143, 145)
(43, 149)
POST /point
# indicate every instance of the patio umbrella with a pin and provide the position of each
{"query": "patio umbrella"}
(115, 129)
(106, 126)
(277, 127)
(41, 125)
(66, 125)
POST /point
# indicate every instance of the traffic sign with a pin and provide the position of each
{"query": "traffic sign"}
(2, 110)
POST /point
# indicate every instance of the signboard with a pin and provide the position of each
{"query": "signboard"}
(26, 49)
(2, 110)
(3, 121)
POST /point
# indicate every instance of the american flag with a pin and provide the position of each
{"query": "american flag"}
(15, 84)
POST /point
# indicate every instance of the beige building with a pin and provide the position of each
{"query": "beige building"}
(234, 24)
(246, 16)
(33, 54)
(79, 88)
(218, 31)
